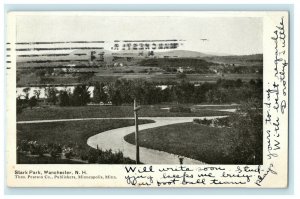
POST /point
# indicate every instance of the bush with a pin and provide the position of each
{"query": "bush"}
(223, 122)
(21, 104)
(69, 152)
(217, 122)
(84, 156)
(23, 146)
(203, 121)
(107, 157)
(54, 150)
(32, 147)
(92, 155)
(32, 102)
(249, 122)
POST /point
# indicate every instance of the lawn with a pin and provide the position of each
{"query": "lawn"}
(72, 134)
(208, 144)
(57, 112)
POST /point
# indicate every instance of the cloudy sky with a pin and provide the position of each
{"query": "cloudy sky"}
(226, 35)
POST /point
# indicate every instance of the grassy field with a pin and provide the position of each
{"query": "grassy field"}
(56, 112)
(155, 77)
(197, 78)
(208, 144)
(74, 133)
(68, 134)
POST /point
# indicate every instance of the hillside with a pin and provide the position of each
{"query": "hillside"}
(182, 53)
(238, 59)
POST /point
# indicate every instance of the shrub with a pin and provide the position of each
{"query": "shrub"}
(92, 155)
(84, 156)
(217, 122)
(203, 121)
(69, 152)
(23, 146)
(32, 102)
(54, 150)
(107, 157)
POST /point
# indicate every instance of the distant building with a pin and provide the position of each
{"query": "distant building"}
(184, 69)
(180, 70)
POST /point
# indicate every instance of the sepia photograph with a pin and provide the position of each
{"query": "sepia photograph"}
(146, 90)
(147, 99)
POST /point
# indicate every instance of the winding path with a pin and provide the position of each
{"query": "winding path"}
(114, 140)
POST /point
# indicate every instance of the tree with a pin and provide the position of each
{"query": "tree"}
(37, 93)
(26, 91)
(64, 98)
(249, 140)
(51, 93)
(116, 98)
(80, 96)
(32, 102)
(20, 105)
(99, 93)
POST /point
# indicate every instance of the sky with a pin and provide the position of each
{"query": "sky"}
(225, 35)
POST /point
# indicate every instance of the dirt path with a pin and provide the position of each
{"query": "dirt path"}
(114, 140)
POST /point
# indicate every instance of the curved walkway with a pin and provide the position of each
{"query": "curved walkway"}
(114, 140)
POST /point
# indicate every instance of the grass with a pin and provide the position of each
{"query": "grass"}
(208, 144)
(204, 77)
(74, 134)
(56, 112)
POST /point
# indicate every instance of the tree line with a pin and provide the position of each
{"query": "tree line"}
(147, 93)
(123, 92)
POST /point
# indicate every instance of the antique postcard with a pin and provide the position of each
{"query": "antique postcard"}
(147, 99)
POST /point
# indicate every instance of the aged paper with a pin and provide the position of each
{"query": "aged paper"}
(147, 99)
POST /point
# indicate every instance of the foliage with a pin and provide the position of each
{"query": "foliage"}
(223, 91)
(249, 125)
(99, 93)
(37, 93)
(26, 91)
(32, 102)
(217, 122)
(123, 92)
(51, 95)
(64, 98)
(21, 104)
(55, 151)
(212, 142)
(80, 96)
(107, 157)
(64, 139)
